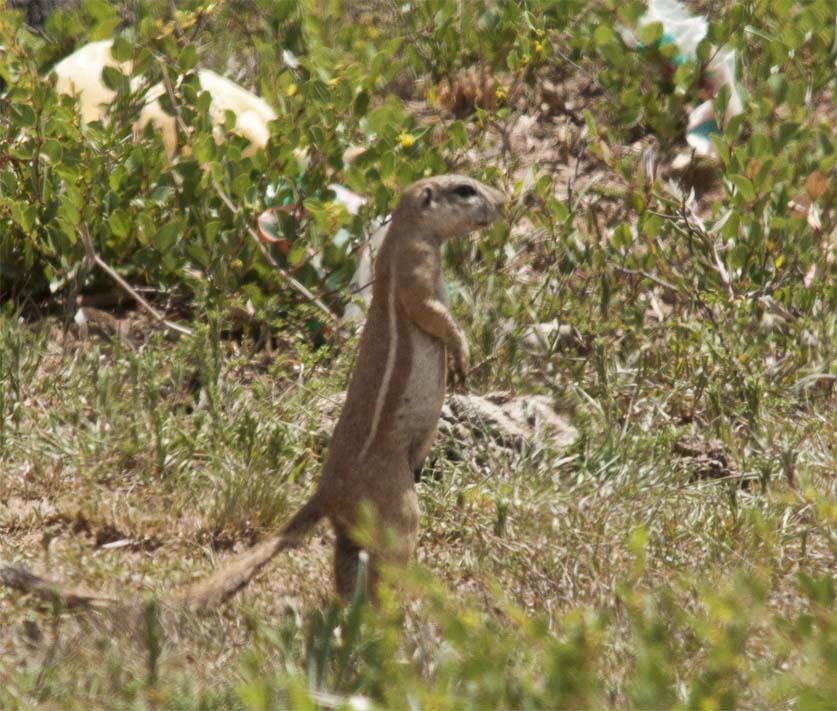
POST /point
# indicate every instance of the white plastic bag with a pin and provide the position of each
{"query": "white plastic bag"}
(686, 32)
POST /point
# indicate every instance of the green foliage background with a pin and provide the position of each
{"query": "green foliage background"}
(648, 589)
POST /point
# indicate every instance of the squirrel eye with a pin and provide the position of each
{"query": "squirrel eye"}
(465, 190)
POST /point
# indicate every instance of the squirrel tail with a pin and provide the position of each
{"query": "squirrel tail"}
(202, 596)
(239, 571)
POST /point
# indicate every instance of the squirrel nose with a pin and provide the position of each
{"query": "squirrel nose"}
(497, 198)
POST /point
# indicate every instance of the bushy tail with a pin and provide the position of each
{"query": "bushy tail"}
(210, 593)
(239, 571)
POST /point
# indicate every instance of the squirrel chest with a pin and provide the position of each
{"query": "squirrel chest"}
(398, 384)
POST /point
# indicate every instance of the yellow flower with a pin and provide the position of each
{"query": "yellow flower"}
(406, 140)
(538, 48)
(291, 90)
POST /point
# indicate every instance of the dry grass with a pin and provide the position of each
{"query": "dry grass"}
(130, 471)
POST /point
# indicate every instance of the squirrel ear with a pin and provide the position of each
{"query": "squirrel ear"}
(426, 197)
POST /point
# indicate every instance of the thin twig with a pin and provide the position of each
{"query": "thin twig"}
(484, 362)
(178, 31)
(148, 307)
(726, 278)
(91, 256)
(647, 275)
(49, 657)
(571, 181)
(172, 98)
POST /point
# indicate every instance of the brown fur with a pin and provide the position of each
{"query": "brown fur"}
(394, 399)
(377, 468)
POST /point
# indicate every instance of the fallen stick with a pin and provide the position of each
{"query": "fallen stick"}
(94, 258)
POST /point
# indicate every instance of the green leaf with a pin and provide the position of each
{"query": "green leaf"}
(361, 104)
(558, 210)
(119, 223)
(22, 114)
(296, 255)
(543, 186)
(781, 8)
(779, 88)
(112, 78)
(203, 148)
(818, 589)
(457, 134)
(198, 255)
(71, 204)
(121, 50)
(168, 234)
(513, 61)
(787, 131)
(24, 214)
(603, 35)
(104, 16)
(161, 194)
(240, 184)
(211, 230)
(738, 256)
(388, 118)
(744, 186)
(622, 236)
(188, 57)
(652, 225)
(704, 50)
(765, 177)
(759, 145)
(650, 34)
(52, 150)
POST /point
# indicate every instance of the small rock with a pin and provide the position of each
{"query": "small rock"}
(706, 459)
(508, 420)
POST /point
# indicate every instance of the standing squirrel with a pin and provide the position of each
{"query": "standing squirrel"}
(395, 395)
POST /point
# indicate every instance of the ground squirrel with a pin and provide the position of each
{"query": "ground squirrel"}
(394, 399)
(396, 390)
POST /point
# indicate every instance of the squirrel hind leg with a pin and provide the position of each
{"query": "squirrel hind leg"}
(348, 568)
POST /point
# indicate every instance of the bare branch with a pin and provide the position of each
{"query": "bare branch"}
(90, 254)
